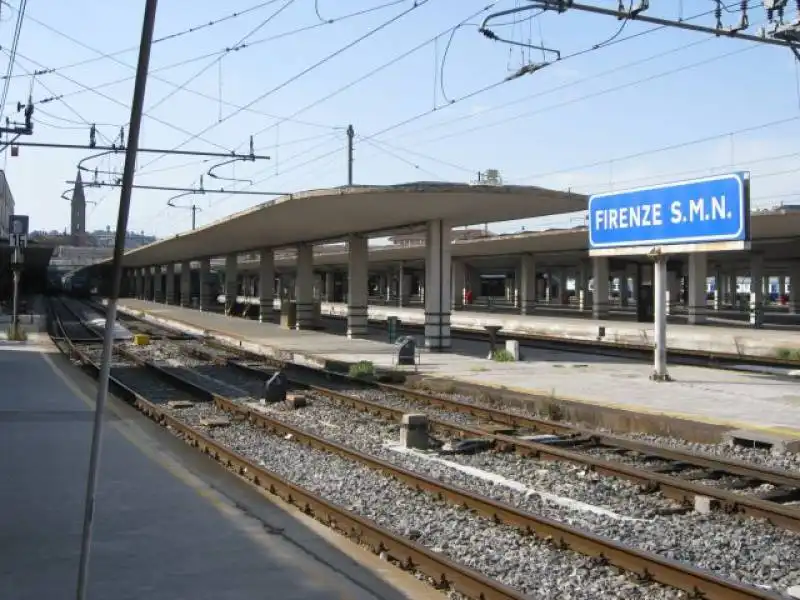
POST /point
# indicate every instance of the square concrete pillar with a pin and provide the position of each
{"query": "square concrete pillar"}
(673, 291)
(204, 288)
(582, 285)
(139, 283)
(697, 305)
(231, 281)
(756, 290)
(459, 283)
(304, 287)
(266, 285)
(158, 285)
(719, 284)
(327, 286)
(600, 303)
(527, 284)
(404, 283)
(186, 284)
(437, 286)
(794, 288)
(357, 292)
(170, 284)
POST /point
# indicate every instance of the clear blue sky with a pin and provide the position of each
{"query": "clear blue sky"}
(559, 123)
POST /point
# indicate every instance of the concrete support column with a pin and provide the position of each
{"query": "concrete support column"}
(459, 283)
(266, 285)
(388, 288)
(186, 284)
(718, 290)
(527, 284)
(781, 285)
(437, 286)
(698, 271)
(231, 281)
(624, 288)
(357, 275)
(600, 296)
(170, 285)
(794, 288)
(148, 283)
(582, 285)
(140, 284)
(327, 286)
(158, 285)
(673, 291)
(733, 289)
(404, 282)
(304, 286)
(548, 286)
(204, 287)
(757, 290)
(561, 297)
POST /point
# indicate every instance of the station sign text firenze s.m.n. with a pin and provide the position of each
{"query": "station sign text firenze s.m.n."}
(712, 213)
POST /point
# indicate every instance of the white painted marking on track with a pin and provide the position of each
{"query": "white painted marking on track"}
(514, 485)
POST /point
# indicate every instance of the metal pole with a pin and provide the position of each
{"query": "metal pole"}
(15, 310)
(194, 212)
(350, 134)
(111, 315)
(660, 291)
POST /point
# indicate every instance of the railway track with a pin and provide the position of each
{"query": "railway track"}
(734, 487)
(442, 572)
(659, 569)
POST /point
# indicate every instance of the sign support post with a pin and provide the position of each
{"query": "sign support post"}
(16, 266)
(660, 319)
(711, 214)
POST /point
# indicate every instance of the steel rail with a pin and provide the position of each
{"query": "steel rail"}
(676, 488)
(445, 573)
(646, 565)
(672, 487)
(740, 468)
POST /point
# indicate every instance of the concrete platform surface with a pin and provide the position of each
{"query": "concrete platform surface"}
(740, 401)
(729, 340)
(169, 523)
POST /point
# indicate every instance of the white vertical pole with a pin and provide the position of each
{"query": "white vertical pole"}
(660, 285)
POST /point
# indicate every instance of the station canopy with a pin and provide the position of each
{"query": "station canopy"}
(331, 214)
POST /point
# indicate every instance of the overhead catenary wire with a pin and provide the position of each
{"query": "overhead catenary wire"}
(177, 87)
(12, 56)
(164, 38)
(380, 147)
(496, 84)
(417, 4)
(256, 29)
(229, 50)
(676, 146)
(120, 103)
(592, 95)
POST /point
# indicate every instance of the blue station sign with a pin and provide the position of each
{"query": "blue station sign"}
(700, 211)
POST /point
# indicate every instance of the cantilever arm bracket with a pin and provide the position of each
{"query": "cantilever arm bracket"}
(484, 29)
(211, 173)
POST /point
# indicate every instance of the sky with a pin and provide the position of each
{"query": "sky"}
(423, 89)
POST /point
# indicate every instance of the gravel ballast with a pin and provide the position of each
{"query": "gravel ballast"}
(501, 552)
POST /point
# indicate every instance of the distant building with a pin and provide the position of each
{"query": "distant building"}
(6, 205)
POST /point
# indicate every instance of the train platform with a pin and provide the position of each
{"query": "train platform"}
(169, 523)
(724, 399)
(713, 337)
